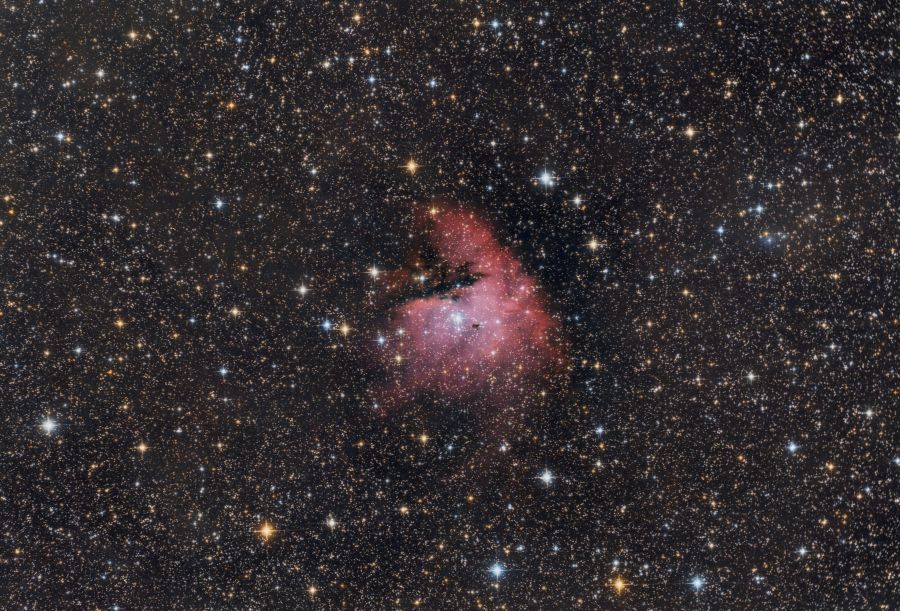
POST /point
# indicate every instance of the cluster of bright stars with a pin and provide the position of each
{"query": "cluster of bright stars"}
(327, 325)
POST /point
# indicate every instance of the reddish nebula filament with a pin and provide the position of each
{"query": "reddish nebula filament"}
(489, 335)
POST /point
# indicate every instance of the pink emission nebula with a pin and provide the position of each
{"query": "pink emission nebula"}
(487, 334)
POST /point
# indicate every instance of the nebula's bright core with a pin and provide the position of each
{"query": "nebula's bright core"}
(489, 337)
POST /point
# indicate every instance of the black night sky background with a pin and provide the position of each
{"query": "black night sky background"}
(449, 305)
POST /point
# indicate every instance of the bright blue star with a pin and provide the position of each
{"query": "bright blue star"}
(497, 570)
(546, 178)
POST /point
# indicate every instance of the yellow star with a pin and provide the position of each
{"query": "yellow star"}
(266, 531)
(619, 584)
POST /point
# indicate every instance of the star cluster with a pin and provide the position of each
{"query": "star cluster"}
(211, 247)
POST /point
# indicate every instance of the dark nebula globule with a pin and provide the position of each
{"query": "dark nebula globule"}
(375, 304)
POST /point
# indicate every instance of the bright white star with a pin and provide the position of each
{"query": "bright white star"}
(547, 477)
(49, 425)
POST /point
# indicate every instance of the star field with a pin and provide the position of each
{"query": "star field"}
(452, 305)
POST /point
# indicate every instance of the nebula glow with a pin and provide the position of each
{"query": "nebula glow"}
(488, 336)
